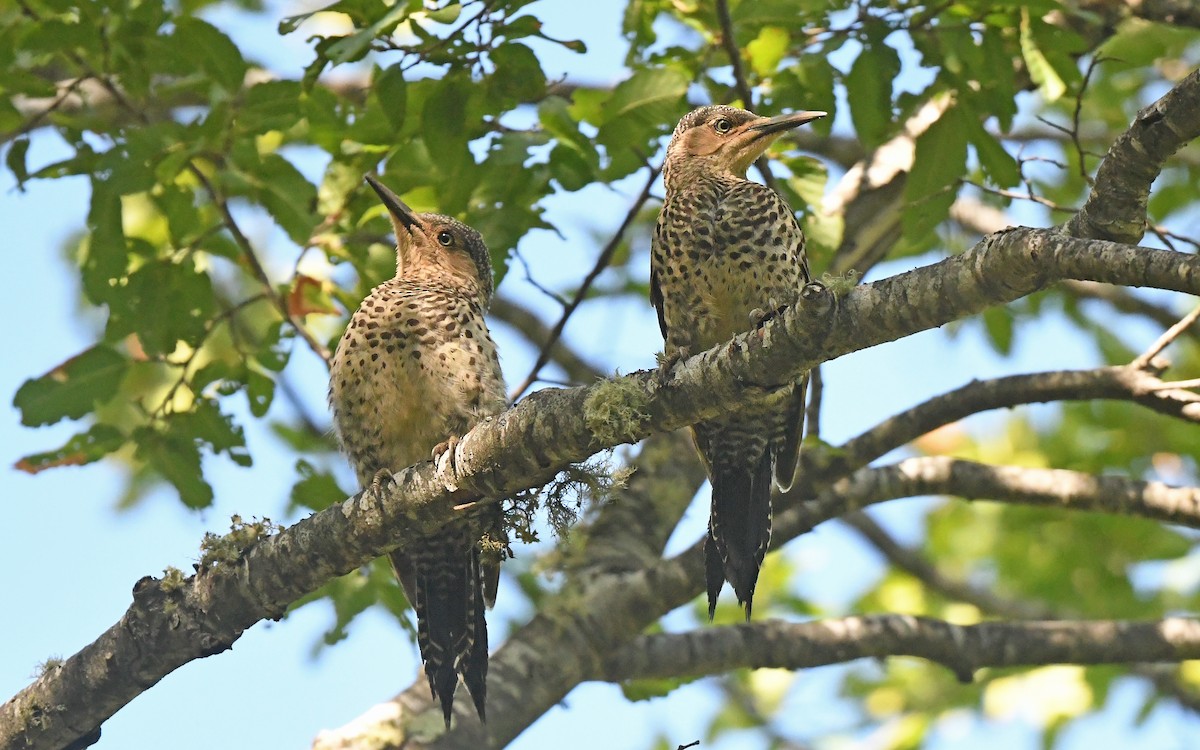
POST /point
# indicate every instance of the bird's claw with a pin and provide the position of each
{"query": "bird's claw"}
(443, 460)
(444, 447)
(382, 484)
(759, 316)
(667, 362)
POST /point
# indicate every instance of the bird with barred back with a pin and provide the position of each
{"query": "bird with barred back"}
(415, 369)
(728, 253)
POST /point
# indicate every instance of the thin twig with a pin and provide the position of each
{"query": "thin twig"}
(256, 267)
(601, 263)
(1166, 339)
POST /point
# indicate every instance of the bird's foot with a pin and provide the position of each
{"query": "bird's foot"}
(759, 316)
(444, 447)
(443, 460)
(382, 484)
(667, 362)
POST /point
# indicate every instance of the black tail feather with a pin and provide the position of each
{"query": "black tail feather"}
(451, 629)
(739, 529)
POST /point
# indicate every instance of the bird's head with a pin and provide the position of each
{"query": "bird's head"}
(726, 139)
(436, 244)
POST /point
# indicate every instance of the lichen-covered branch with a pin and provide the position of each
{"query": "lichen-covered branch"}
(963, 649)
(167, 627)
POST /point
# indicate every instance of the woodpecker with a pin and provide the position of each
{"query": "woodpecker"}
(728, 253)
(415, 369)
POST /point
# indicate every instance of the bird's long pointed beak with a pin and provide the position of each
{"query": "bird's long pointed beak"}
(401, 213)
(779, 123)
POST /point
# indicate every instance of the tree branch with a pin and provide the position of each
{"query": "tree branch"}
(168, 626)
(1116, 208)
(962, 649)
(1126, 383)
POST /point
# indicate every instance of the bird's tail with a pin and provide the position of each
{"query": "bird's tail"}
(447, 596)
(739, 529)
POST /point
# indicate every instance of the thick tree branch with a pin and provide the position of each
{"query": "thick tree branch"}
(584, 625)
(523, 447)
(1116, 208)
(963, 649)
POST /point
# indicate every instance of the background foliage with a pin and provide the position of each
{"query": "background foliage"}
(228, 232)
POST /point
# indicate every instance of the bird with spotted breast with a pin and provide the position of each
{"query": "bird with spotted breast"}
(415, 369)
(727, 253)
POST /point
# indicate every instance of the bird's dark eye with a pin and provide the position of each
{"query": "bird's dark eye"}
(722, 125)
(445, 238)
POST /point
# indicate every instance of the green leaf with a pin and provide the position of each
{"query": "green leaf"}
(645, 689)
(73, 388)
(316, 489)
(391, 91)
(174, 455)
(443, 119)
(104, 259)
(446, 15)
(1000, 166)
(574, 161)
(869, 92)
(84, 448)
(518, 77)
(357, 45)
(1040, 69)
(204, 45)
(939, 163)
(768, 49)
(276, 347)
(15, 159)
(260, 391)
(641, 109)
(206, 423)
(178, 207)
(163, 303)
(271, 105)
(998, 322)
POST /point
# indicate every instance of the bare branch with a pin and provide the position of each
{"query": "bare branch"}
(1116, 208)
(962, 649)
(1121, 383)
(1057, 488)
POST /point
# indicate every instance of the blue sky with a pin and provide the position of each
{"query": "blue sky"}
(71, 558)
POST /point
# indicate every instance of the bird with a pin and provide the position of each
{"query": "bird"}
(727, 253)
(415, 369)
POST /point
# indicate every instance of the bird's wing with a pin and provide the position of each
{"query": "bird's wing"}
(656, 299)
(787, 455)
